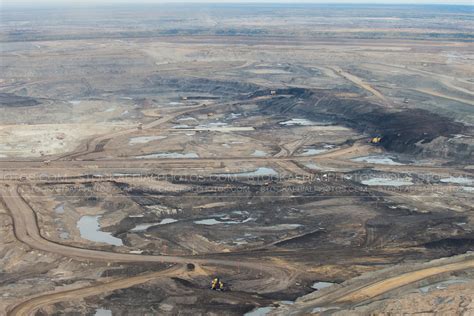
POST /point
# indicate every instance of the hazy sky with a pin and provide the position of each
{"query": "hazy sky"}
(89, 2)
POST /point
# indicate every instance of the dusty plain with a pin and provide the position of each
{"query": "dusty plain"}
(145, 150)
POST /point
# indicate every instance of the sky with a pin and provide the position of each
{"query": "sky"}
(89, 2)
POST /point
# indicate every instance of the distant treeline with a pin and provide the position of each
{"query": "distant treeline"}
(30, 35)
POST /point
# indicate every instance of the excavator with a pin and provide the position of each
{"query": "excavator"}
(217, 285)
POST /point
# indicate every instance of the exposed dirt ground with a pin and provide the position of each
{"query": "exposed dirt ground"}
(145, 152)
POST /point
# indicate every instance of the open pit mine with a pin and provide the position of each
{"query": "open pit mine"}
(236, 159)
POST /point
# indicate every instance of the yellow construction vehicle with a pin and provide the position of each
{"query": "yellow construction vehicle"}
(217, 285)
(375, 140)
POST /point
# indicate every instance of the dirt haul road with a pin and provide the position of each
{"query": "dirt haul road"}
(275, 278)
(33, 304)
(27, 231)
(93, 144)
(378, 288)
(14, 169)
(363, 291)
(361, 83)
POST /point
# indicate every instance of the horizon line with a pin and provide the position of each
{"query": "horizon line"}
(32, 3)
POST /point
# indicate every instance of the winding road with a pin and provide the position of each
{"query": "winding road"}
(27, 231)
(366, 290)
(274, 277)
(33, 304)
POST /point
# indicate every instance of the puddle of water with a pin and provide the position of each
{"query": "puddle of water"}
(168, 155)
(281, 227)
(213, 221)
(89, 228)
(234, 116)
(126, 174)
(181, 126)
(301, 122)
(440, 285)
(382, 160)
(142, 227)
(268, 71)
(216, 124)
(461, 136)
(458, 180)
(210, 221)
(468, 189)
(321, 285)
(59, 209)
(387, 182)
(75, 102)
(312, 151)
(145, 226)
(292, 225)
(314, 166)
(187, 119)
(103, 312)
(175, 103)
(240, 242)
(259, 153)
(165, 221)
(211, 125)
(261, 311)
(262, 171)
(404, 207)
(110, 110)
(323, 309)
(144, 139)
(224, 129)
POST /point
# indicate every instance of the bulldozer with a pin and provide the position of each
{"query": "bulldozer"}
(217, 285)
